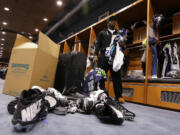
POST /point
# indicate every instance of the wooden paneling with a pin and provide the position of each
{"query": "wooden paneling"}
(111, 90)
(176, 24)
(84, 37)
(133, 13)
(138, 95)
(139, 34)
(91, 42)
(166, 7)
(154, 97)
(62, 48)
(138, 92)
(66, 47)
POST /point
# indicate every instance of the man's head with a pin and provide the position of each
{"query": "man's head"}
(111, 22)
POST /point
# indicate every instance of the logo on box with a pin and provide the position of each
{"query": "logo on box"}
(19, 69)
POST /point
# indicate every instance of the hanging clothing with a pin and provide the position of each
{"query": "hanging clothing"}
(174, 58)
(143, 62)
(167, 59)
(70, 72)
(160, 59)
(154, 59)
(152, 45)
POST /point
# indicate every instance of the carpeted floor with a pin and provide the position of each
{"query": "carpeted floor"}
(149, 121)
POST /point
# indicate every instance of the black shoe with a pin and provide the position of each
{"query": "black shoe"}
(128, 115)
(31, 107)
(12, 106)
(108, 113)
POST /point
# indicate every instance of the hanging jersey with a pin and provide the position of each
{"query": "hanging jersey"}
(167, 59)
(174, 58)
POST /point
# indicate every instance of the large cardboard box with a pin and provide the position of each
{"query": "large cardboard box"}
(31, 64)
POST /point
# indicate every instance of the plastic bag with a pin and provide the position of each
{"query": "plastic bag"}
(118, 60)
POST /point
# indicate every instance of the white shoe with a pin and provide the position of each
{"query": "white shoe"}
(39, 88)
(56, 93)
(154, 76)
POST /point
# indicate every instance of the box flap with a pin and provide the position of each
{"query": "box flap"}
(48, 46)
(20, 40)
(27, 45)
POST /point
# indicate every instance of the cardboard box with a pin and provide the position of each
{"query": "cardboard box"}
(139, 34)
(176, 23)
(31, 64)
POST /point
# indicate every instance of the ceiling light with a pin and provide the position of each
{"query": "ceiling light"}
(59, 3)
(2, 47)
(4, 23)
(30, 37)
(45, 19)
(29, 34)
(2, 44)
(6, 9)
(3, 33)
(36, 30)
(2, 39)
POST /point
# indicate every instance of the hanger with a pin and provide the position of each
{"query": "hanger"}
(74, 47)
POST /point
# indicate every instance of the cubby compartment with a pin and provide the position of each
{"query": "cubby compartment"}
(166, 95)
(82, 41)
(133, 92)
(62, 47)
(69, 44)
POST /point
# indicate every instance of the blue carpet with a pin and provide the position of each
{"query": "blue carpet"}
(149, 121)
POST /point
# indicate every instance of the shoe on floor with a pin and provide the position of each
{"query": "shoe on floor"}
(154, 77)
(121, 100)
(31, 108)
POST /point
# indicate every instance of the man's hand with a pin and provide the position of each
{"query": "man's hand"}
(95, 59)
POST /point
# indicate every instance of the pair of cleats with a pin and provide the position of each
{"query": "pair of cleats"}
(111, 111)
(32, 106)
(108, 110)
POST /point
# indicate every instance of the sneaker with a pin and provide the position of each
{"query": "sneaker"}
(128, 115)
(39, 88)
(31, 107)
(56, 93)
(12, 106)
(108, 113)
(154, 76)
(49, 97)
(121, 100)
